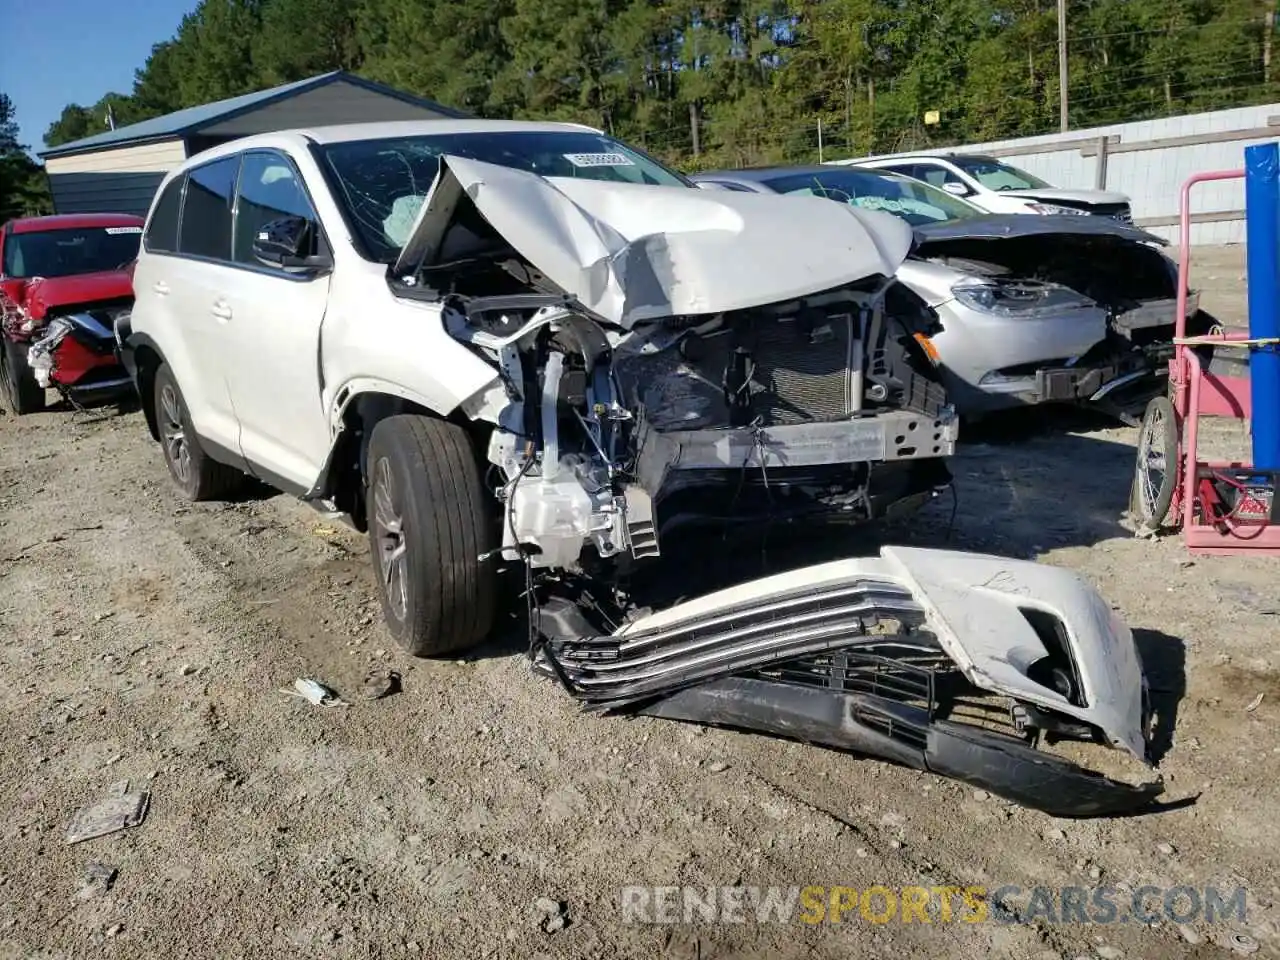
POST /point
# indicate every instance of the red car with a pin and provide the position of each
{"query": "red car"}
(64, 280)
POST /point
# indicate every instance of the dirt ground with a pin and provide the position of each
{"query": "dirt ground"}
(147, 640)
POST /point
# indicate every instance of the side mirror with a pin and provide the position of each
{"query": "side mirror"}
(289, 242)
(956, 189)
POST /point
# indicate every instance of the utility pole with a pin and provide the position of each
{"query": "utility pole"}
(1062, 64)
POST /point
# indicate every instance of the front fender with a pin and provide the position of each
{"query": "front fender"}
(389, 397)
(357, 387)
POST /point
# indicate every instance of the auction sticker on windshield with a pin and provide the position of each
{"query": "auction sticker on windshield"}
(599, 160)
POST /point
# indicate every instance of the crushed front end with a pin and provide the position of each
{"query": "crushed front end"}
(664, 364)
(963, 665)
(1069, 313)
(76, 354)
(815, 407)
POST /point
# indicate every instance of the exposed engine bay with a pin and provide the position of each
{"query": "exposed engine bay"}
(624, 419)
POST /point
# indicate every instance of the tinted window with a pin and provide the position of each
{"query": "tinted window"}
(206, 210)
(382, 183)
(162, 231)
(269, 189)
(65, 253)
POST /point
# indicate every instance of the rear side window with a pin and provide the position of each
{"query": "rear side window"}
(162, 231)
(206, 210)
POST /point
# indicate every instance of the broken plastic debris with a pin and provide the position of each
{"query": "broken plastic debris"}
(379, 683)
(119, 810)
(1254, 704)
(315, 693)
(97, 880)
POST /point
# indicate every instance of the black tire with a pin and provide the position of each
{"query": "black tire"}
(21, 391)
(195, 473)
(1151, 493)
(429, 527)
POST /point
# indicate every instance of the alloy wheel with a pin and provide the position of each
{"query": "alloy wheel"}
(389, 533)
(174, 434)
(1155, 473)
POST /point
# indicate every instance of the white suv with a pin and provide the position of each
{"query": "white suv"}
(997, 187)
(490, 340)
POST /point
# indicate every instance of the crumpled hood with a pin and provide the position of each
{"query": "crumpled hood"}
(1000, 226)
(631, 252)
(1066, 195)
(42, 294)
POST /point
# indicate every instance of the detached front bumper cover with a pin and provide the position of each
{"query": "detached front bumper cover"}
(955, 663)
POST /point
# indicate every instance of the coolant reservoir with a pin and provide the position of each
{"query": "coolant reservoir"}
(553, 514)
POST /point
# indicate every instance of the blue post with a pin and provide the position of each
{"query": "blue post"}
(1262, 235)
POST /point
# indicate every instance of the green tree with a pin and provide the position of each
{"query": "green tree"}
(735, 81)
(24, 191)
(302, 38)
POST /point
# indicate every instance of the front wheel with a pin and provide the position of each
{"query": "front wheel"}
(430, 534)
(21, 390)
(1155, 476)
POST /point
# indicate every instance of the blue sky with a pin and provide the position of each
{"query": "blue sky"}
(73, 51)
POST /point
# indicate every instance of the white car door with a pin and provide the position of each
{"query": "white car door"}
(176, 284)
(273, 332)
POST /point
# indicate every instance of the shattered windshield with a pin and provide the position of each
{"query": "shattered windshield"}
(66, 253)
(995, 175)
(382, 183)
(910, 200)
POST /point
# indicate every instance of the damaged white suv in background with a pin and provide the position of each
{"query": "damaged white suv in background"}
(487, 340)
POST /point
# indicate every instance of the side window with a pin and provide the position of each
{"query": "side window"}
(906, 169)
(938, 175)
(162, 231)
(270, 188)
(206, 210)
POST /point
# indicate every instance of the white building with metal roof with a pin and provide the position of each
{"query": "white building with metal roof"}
(119, 170)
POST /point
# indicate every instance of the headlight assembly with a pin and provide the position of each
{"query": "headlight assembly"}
(1055, 210)
(1018, 299)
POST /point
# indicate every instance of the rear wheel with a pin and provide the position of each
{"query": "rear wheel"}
(1155, 474)
(23, 393)
(196, 474)
(429, 532)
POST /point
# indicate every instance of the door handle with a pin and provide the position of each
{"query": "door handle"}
(221, 310)
(161, 288)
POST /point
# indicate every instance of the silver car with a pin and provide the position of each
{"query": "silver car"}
(1031, 309)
